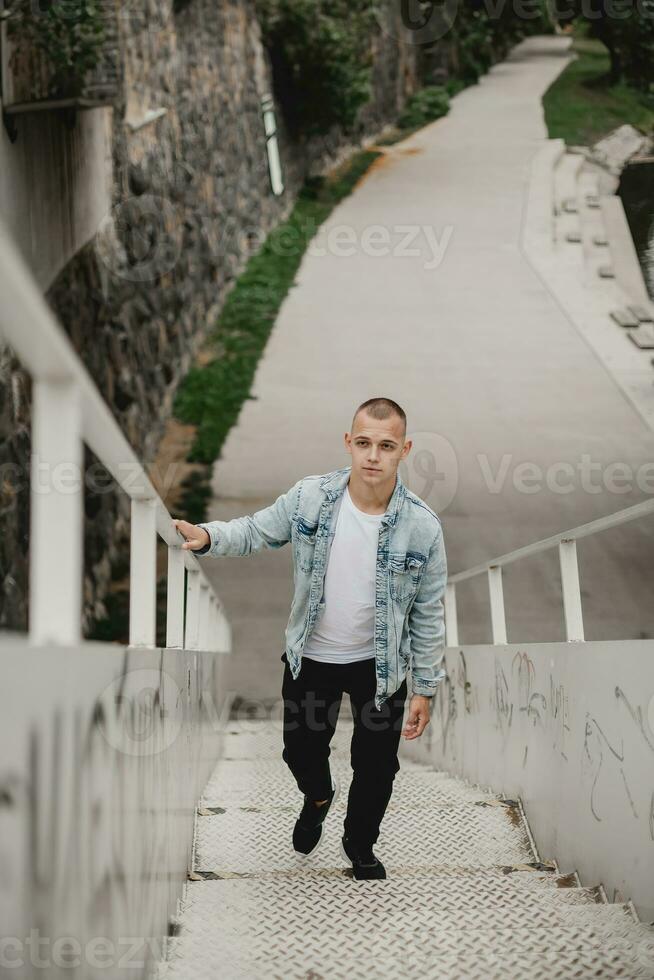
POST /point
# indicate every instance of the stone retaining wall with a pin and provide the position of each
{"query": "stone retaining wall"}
(191, 198)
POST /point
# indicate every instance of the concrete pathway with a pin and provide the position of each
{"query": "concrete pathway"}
(498, 384)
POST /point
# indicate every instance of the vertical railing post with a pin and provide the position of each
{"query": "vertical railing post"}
(175, 599)
(574, 620)
(205, 610)
(56, 515)
(192, 628)
(498, 620)
(224, 633)
(212, 622)
(451, 621)
(215, 624)
(143, 574)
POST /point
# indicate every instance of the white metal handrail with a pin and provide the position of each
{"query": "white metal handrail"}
(68, 410)
(571, 591)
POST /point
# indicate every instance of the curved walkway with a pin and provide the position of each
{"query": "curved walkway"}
(418, 287)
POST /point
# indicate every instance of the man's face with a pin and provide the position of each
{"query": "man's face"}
(376, 447)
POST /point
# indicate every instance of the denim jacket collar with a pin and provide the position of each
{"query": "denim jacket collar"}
(334, 484)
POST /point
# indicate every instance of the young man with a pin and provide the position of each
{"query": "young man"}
(370, 573)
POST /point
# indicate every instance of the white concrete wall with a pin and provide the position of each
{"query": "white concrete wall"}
(55, 185)
(569, 728)
(103, 754)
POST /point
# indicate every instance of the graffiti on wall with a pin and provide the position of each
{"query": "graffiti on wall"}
(605, 762)
(97, 822)
(530, 704)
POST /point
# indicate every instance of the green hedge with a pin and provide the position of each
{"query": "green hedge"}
(423, 106)
(321, 59)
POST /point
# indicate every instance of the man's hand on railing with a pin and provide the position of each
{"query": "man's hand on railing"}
(196, 537)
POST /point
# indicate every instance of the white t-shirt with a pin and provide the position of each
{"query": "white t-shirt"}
(346, 630)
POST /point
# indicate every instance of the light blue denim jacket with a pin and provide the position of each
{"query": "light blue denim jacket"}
(410, 579)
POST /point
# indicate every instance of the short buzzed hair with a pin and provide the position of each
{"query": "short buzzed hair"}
(381, 408)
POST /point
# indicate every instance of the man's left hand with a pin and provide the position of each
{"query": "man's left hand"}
(418, 717)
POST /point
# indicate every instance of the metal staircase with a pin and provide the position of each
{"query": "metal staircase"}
(467, 895)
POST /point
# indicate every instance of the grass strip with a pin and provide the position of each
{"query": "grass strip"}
(581, 106)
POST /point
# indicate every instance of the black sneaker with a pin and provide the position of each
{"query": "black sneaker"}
(309, 826)
(365, 866)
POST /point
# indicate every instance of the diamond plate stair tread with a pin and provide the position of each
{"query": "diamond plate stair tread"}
(265, 927)
(455, 836)
(268, 786)
(336, 945)
(251, 748)
(571, 966)
(446, 887)
(528, 935)
(264, 740)
(566, 965)
(465, 896)
(274, 766)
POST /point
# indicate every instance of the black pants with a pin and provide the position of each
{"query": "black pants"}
(311, 707)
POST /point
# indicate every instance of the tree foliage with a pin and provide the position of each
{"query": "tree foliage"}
(626, 28)
(483, 33)
(321, 59)
(68, 34)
